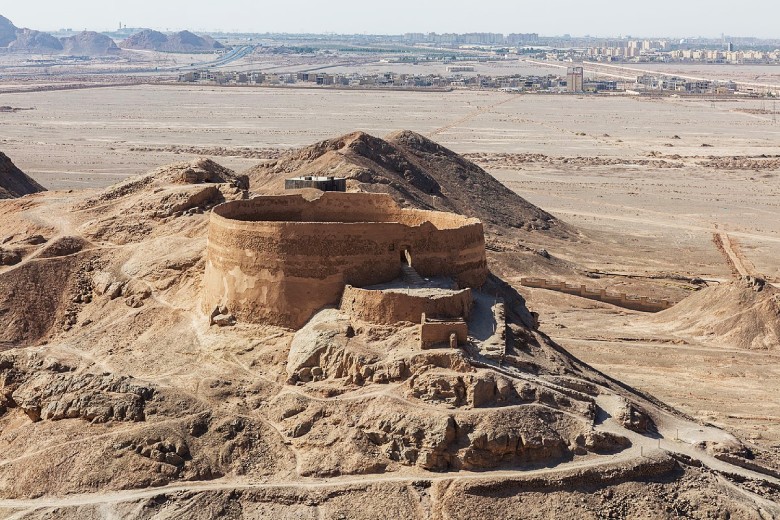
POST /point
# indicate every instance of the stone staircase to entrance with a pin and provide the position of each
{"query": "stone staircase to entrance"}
(411, 276)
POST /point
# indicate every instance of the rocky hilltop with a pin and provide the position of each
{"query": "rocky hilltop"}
(89, 43)
(14, 182)
(743, 314)
(37, 42)
(183, 41)
(415, 171)
(7, 31)
(119, 397)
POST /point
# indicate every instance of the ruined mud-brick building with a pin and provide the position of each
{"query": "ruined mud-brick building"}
(280, 259)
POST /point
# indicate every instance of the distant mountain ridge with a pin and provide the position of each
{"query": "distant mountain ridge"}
(90, 43)
(31, 41)
(182, 41)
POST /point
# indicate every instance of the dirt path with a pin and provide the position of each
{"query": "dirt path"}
(643, 448)
(729, 250)
(476, 113)
(307, 484)
(670, 224)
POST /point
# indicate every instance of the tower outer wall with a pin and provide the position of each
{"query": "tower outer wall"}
(280, 259)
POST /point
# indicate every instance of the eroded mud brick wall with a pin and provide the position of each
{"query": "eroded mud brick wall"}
(389, 307)
(279, 259)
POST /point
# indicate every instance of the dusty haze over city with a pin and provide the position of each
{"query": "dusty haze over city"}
(661, 18)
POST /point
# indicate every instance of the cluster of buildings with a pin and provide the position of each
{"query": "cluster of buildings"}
(684, 85)
(574, 81)
(471, 38)
(639, 51)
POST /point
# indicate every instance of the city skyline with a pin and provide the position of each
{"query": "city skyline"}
(666, 18)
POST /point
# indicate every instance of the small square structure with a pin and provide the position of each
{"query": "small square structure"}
(319, 183)
(434, 332)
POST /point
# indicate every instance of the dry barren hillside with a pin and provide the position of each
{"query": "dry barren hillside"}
(183, 41)
(89, 43)
(415, 171)
(743, 314)
(13, 181)
(7, 31)
(119, 399)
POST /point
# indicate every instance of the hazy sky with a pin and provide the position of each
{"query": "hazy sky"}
(546, 17)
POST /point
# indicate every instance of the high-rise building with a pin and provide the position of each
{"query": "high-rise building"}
(574, 79)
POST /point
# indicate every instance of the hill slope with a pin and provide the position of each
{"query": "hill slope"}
(183, 41)
(89, 43)
(734, 315)
(14, 182)
(415, 171)
(7, 31)
(31, 41)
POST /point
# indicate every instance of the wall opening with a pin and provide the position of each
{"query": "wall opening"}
(406, 255)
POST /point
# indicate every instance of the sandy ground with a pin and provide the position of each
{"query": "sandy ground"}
(664, 217)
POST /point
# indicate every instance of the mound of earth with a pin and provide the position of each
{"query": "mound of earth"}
(743, 314)
(147, 40)
(415, 171)
(119, 399)
(7, 31)
(183, 41)
(89, 43)
(35, 42)
(14, 182)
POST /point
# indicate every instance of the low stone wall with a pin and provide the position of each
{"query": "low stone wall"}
(438, 332)
(279, 259)
(637, 303)
(393, 306)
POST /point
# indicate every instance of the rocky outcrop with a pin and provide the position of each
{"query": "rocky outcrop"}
(63, 246)
(7, 31)
(457, 417)
(111, 380)
(37, 42)
(180, 189)
(379, 438)
(89, 43)
(204, 170)
(27, 40)
(47, 390)
(634, 418)
(183, 41)
(82, 396)
(147, 40)
(9, 257)
(415, 171)
(13, 181)
(744, 314)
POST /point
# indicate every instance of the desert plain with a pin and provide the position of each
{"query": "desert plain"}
(667, 195)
